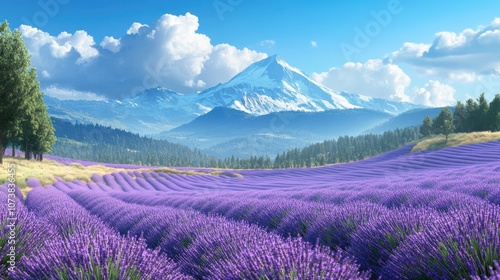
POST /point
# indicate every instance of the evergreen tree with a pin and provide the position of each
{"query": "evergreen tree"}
(471, 109)
(460, 117)
(14, 60)
(30, 119)
(493, 119)
(482, 113)
(45, 137)
(448, 128)
(443, 123)
(426, 127)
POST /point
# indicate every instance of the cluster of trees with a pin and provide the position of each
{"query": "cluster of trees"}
(104, 144)
(346, 149)
(24, 121)
(474, 115)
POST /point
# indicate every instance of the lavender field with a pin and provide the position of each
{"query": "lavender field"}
(399, 215)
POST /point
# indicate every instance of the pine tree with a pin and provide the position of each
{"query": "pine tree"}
(482, 113)
(14, 60)
(448, 128)
(443, 123)
(493, 120)
(426, 127)
(460, 117)
(30, 118)
(471, 109)
(45, 137)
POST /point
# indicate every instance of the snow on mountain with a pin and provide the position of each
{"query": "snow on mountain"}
(271, 85)
(379, 104)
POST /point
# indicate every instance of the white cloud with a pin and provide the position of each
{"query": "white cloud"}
(45, 74)
(135, 27)
(462, 57)
(111, 44)
(70, 94)
(373, 78)
(226, 61)
(435, 94)
(62, 45)
(267, 43)
(314, 44)
(169, 53)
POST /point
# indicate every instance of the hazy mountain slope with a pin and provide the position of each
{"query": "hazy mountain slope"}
(224, 124)
(406, 119)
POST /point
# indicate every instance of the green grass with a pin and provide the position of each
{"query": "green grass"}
(437, 142)
(48, 170)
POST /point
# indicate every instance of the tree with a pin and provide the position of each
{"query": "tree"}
(460, 117)
(14, 61)
(31, 117)
(44, 138)
(448, 128)
(482, 113)
(496, 123)
(426, 127)
(493, 114)
(443, 123)
(471, 109)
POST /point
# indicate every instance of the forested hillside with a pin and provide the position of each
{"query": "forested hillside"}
(347, 149)
(104, 144)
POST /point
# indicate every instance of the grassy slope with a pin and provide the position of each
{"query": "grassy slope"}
(439, 142)
(47, 170)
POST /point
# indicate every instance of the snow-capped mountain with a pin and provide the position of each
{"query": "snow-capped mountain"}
(271, 85)
(267, 86)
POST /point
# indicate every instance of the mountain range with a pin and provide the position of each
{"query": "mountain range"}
(269, 100)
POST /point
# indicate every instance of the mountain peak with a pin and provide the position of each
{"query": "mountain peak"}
(153, 95)
(269, 72)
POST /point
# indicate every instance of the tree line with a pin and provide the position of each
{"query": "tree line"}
(104, 144)
(94, 142)
(346, 149)
(24, 121)
(474, 115)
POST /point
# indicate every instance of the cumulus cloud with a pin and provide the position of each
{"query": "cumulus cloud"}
(111, 44)
(60, 46)
(226, 61)
(71, 94)
(169, 53)
(374, 78)
(435, 94)
(463, 57)
(135, 27)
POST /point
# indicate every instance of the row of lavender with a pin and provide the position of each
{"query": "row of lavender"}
(71, 243)
(471, 169)
(55, 238)
(456, 236)
(381, 238)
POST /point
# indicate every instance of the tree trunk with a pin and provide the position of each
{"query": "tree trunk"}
(13, 150)
(1, 147)
(27, 152)
(40, 157)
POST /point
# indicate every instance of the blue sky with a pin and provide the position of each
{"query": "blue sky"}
(222, 37)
